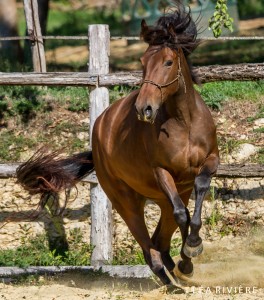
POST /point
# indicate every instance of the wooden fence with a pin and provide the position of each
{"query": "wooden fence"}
(98, 78)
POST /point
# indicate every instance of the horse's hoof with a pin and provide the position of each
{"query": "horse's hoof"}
(192, 251)
(180, 275)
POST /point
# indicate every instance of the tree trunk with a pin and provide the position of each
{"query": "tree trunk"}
(43, 10)
(9, 50)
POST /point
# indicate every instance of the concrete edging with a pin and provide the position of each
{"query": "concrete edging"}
(138, 271)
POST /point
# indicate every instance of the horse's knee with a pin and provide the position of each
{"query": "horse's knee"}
(180, 216)
(156, 263)
(202, 183)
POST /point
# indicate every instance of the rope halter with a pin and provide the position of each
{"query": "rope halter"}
(160, 86)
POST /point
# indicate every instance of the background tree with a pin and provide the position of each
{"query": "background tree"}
(9, 50)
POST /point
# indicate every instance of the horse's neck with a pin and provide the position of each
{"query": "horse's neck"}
(182, 105)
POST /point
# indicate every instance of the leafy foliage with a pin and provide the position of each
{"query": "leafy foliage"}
(25, 101)
(220, 18)
(250, 8)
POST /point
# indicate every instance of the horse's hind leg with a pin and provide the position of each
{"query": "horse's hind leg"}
(130, 206)
(162, 241)
(162, 237)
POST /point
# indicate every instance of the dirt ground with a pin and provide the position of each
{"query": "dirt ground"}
(235, 272)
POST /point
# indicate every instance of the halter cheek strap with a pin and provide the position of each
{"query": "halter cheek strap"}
(160, 86)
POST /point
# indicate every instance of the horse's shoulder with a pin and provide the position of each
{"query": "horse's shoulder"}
(117, 112)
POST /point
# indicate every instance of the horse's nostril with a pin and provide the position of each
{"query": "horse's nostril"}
(148, 112)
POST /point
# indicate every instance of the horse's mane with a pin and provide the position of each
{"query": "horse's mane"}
(174, 29)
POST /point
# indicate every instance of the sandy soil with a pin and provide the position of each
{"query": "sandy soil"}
(229, 269)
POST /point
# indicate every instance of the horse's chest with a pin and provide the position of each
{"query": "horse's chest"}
(179, 154)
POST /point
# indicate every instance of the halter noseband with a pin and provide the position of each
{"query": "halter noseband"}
(160, 86)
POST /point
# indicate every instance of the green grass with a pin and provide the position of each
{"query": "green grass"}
(117, 92)
(124, 257)
(13, 144)
(34, 251)
(19, 100)
(259, 157)
(21, 105)
(215, 93)
(258, 115)
(228, 145)
(175, 247)
(16, 100)
(134, 255)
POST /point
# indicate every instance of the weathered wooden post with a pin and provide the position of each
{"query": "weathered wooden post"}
(34, 31)
(101, 208)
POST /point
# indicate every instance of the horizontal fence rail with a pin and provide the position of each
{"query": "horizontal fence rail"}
(224, 170)
(236, 72)
(129, 38)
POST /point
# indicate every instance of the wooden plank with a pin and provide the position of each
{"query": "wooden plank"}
(49, 79)
(238, 72)
(224, 170)
(206, 74)
(33, 28)
(101, 208)
(240, 170)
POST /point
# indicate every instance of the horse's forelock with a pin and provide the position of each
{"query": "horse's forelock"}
(175, 29)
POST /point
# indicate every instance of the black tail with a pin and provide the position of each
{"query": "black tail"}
(47, 173)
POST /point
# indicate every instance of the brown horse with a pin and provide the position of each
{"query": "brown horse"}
(157, 143)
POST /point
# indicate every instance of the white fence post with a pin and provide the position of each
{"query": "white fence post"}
(101, 208)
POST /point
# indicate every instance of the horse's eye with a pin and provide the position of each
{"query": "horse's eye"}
(168, 63)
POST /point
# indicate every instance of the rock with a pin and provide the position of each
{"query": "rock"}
(243, 152)
(85, 121)
(82, 135)
(259, 122)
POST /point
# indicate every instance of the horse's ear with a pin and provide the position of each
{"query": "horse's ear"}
(143, 24)
(144, 27)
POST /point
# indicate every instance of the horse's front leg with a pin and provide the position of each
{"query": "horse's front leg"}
(180, 212)
(193, 245)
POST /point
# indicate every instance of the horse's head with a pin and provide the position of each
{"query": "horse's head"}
(161, 79)
(170, 41)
